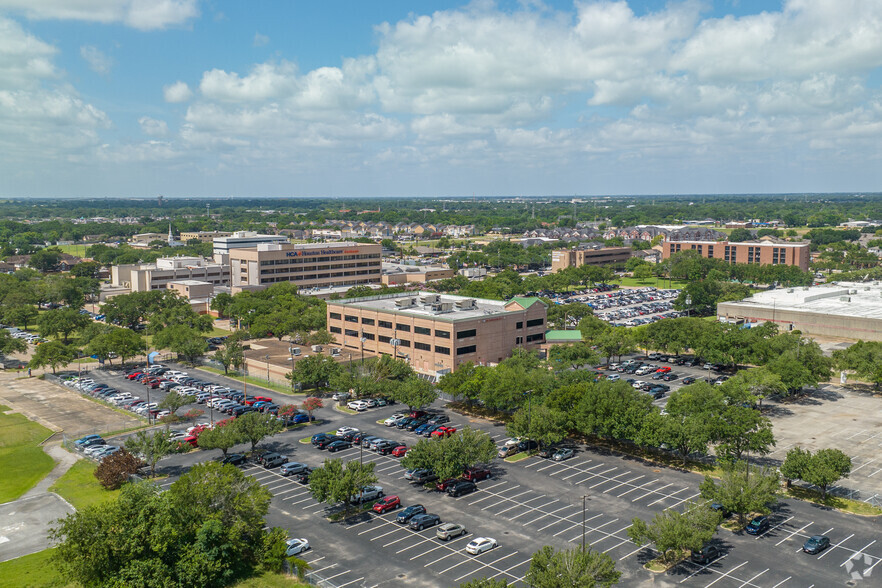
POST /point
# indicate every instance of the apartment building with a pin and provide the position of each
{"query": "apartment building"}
(203, 236)
(156, 276)
(309, 265)
(435, 333)
(563, 258)
(764, 252)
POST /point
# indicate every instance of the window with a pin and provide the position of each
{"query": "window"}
(535, 337)
(335, 315)
(466, 334)
(466, 349)
(403, 327)
(351, 319)
(336, 330)
(367, 321)
(519, 325)
(442, 350)
(384, 324)
(535, 322)
(519, 340)
(351, 333)
(403, 343)
(368, 336)
(384, 338)
(422, 331)
(442, 334)
(422, 346)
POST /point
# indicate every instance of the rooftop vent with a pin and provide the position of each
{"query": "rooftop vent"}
(317, 348)
(442, 307)
(467, 304)
(845, 299)
(405, 302)
(428, 299)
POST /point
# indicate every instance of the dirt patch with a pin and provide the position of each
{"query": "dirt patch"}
(59, 408)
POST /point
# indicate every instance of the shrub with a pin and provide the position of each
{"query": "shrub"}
(115, 469)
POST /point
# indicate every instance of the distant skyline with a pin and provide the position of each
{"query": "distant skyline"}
(190, 98)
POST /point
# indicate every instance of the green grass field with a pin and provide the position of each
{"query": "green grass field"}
(657, 282)
(80, 487)
(22, 460)
(251, 380)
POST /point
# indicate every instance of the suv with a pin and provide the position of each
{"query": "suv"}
(461, 487)
(477, 473)
(422, 476)
(410, 512)
(387, 504)
(448, 531)
(367, 494)
(758, 525)
(706, 554)
(273, 459)
(421, 521)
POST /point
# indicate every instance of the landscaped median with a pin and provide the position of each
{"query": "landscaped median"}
(517, 457)
(80, 487)
(841, 504)
(23, 462)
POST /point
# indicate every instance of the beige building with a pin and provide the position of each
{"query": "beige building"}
(309, 265)
(203, 236)
(763, 252)
(192, 289)
(397, 274)
(156, 276)
(435, 333)
(564, 258)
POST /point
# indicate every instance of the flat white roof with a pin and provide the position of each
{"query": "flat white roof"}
(855, 299)
(388, 303)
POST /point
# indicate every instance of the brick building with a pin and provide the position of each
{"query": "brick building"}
(760, 252)
(563, 258)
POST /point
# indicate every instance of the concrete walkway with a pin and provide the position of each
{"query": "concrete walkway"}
(64, 460)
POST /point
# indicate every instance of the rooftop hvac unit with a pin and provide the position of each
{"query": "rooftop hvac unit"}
(428, 299)
(335, 351)
(845, 299)
(467, 304)
(317, 348)
(852, 291)
(405, 302)
(790, 291)
(442, 307)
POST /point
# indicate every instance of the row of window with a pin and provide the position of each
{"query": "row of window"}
(425, 346)
(316, 268)
(319, 276)
(302, 260)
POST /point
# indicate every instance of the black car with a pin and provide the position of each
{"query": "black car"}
(323, 443)
(403, 423)
(303, 477)
(688, 380)
(670, 377)
(421, 521)
(410, 512)
(460, 488)
(351, 435)
(706, 554)
(319, 437)
(720, 509)
(758, 526)
(233, 459)
(358, 437)
(338, 445)
(258, 455)
(412, 425)
(816, 544)
(386, 447)
(657, 392)
(528, 445)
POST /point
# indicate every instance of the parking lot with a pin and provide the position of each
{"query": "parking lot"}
(627, 307)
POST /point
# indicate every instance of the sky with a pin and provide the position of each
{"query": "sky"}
(288, 98)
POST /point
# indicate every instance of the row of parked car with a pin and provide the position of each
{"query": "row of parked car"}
(28, 336)
(95, 446)
(363, 405)
(126, 400)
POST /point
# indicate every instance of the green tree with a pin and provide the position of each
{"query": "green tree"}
(230, 355)
(562, 315)
(222, 436)
(573, 356)
(592, 328)
(550, 568)
(742, 430)
(485, 583)
(20, 315)
(151, 447)
(45, 260)
(221, 303)
(314, 371)
(9, 344)
(448, 457)
(754, 385)
(864, 358)
(674, 532)
(173, 401)
(743, 489)
(126, 343)
(334, 483)
(415, 392)
(540, 423)
(615, 342)
(186, 341)
(821, 469)
(642, 273)
(86, 269)
(254, 427)
(55, 354)
(63, 322)
(739, 235)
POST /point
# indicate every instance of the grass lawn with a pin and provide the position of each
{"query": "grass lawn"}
(250, 380)
(22, 460)
(852, 506)
(35, 571)
(80, 487)
(657, 282)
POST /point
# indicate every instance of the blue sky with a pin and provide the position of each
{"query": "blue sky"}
(435, 98)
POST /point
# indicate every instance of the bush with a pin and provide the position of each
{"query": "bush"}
(114, 470)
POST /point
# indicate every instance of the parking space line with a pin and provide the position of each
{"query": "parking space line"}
(650, 492)
(604, 481)
(770, 529)
(641, 486)
(352, 582)
(792, 534)
(859, 551)
(624, 484)
(559, 520)
(383, 535)
(294, 489)
(526, 512)
(639, 549)
(679, 502)
(668, 496)
(703, 567)
(333, 565)
(397, 540)
(749, 582)
(725, 575)
(550, 465)
(504, 498)
(490, 565)
(441, 546)
(782, 581)
(528, 523)
(304, 500)
(519, 504)
(335, 576)
(834, 546)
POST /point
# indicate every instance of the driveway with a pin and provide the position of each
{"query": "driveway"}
(25, 522)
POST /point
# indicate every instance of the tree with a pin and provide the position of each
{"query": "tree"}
(221, 303)
(45, 260)
(19, 314)
(222, 436)
(151, 447)
(314, 371)
(573, 356)
(674, 532)
(183, 340)
(173, 401)
(485, 583)
(743, 489)
(571, 568)
(86, 269)
(592, 328)
(332, 483)
(115, 469)
(562, 315)
(541, 423)
(614, 342)
(742, 429)
(231, 354)
(739, 235)
(63, 322)
(256, 426)
(864, 358)
(415, 392)
(821, 469)
(310, 404)
(642, 273)
(126, 343)
(450, 456)
(54, 354)
(211, 525)
(9, 344)
(754, 385)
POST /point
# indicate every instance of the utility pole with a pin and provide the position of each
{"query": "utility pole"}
(584, 497)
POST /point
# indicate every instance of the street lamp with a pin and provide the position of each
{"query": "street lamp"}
(363, 339)
(267, 358)
(688, 304)
(584, 498)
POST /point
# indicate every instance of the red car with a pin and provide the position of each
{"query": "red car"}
(399, 451)
(133, 375)
(443, 485)
(476, 474)
(417, 413)
(443, 431)
(663, 370)
(386, 504)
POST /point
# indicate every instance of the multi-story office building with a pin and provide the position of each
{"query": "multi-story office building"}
(435, 333)
(242, 240)
(759, 252)
(563, 258)
(309, 265)
(203, 236)
(156, 276)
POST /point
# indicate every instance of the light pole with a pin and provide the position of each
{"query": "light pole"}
(267, 358)
(688, 304)
(291, 351)
(584, 498)
(363, 339)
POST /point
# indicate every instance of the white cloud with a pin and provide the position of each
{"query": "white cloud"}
(260, 40)
(24, 59)
(98, 61)
(153, 127)
(177, 92)
(266, 81)
(138, 14)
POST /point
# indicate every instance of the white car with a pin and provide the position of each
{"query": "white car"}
(481, 544)
(296, 546)
(343, 430)
(512, 442)
(391, 420)
(358, 405)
